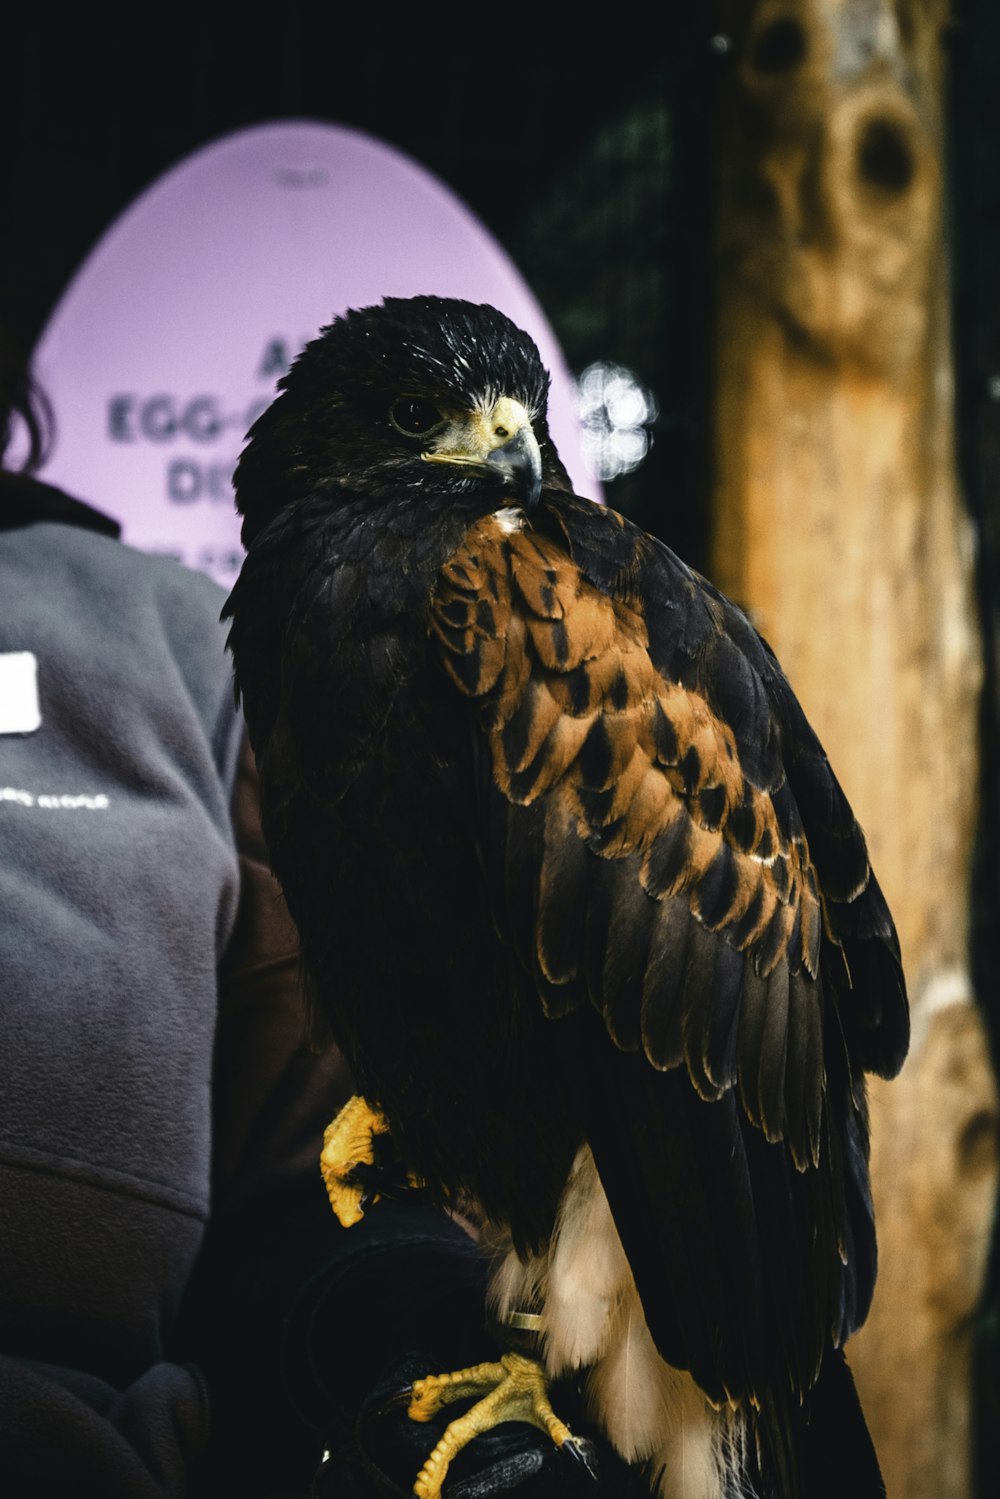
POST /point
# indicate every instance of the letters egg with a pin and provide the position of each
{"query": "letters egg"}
(172, 335)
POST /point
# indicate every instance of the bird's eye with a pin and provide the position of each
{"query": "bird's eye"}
(414, 416)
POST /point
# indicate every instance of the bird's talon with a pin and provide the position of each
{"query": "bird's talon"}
(512, 1390)
(583, 1453)
(348, 1144)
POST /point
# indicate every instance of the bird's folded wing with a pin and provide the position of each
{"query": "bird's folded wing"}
(673, 852)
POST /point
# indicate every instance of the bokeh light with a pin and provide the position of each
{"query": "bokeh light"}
(616, 412)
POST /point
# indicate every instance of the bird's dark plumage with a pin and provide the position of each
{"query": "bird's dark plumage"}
(572, 872)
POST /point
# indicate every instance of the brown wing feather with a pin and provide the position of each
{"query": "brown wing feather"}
(577, 709)
(640, 771)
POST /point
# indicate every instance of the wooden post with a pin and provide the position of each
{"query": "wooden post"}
(839, 526)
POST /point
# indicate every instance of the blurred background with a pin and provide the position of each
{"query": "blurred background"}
(766, 236)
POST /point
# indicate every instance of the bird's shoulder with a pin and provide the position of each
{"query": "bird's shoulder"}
(610, 672)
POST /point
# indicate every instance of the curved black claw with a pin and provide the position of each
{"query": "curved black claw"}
(583, 1452)
(384, 1180)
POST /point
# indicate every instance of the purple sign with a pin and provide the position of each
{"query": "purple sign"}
(170, 339)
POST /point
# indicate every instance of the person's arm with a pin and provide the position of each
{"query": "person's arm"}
(271, 1228)
(290, 1317)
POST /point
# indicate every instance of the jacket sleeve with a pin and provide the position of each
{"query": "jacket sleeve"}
(270, 1225)
(290, 1317)
(273, 1092)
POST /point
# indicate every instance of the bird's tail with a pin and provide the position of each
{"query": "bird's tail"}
(657, 1415)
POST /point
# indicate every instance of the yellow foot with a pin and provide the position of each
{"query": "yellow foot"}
(516, 1390)
(347, 1144)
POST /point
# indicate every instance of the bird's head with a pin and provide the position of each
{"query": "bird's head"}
(414, 397)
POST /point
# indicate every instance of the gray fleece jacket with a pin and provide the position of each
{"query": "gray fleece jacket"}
(118, 893)
(152, 1061)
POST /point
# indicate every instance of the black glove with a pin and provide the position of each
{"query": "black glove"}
(389, 1449)
(403, 1298)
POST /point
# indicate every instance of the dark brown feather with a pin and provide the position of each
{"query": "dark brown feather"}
(634, 767)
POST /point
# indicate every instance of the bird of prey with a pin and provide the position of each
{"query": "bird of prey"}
(583, 904)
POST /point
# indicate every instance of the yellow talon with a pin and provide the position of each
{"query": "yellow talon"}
(347, 1143)
(516, 1390)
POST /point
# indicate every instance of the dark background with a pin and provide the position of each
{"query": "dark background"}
(592, 162)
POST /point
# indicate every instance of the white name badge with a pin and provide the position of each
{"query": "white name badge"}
(20, 711)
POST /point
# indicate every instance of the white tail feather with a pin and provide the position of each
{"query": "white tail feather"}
(592, 1318)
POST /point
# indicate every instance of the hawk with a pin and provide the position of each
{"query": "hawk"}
(581, 900)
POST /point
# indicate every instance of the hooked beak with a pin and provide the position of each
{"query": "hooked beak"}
(499, 441)
(520, 463)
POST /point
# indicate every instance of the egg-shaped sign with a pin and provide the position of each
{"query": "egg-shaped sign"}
(171, 337)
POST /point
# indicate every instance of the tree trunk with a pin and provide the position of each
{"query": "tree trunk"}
(839, 526)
